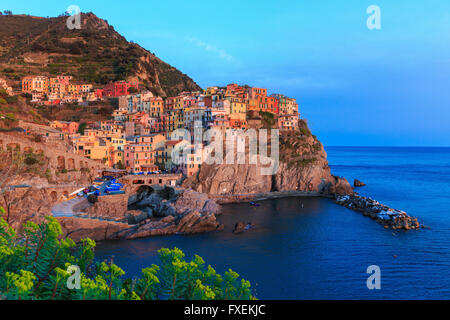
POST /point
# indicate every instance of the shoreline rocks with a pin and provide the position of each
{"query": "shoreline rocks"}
(389, 217)
(241, 227)
(357, 183)
(190, 223)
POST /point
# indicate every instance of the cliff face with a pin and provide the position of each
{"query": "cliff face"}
(22, 205)
(96, 53)
(303, 166)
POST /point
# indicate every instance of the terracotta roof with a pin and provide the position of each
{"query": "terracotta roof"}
(173, 142)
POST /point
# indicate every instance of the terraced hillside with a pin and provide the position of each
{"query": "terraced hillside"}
(96, 53)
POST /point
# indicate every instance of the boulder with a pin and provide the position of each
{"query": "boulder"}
(190, 223)
(136, 216)
(241, 227)
(192, 200)
(357, 183)
(98, 230)
(165, 209)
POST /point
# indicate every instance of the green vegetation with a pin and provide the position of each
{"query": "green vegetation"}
(13, 108)
(82, 127)
(267, 119)
(305, 162)
(38, 264)
(96, 54)
(30, 159)
(20, 163)
(120, 165)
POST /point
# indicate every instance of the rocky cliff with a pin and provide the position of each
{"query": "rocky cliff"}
(303, 166)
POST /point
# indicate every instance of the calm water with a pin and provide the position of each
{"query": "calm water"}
(321, 250)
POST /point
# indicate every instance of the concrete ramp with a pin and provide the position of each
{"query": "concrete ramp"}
(70, 208)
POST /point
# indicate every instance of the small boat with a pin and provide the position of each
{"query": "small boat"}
(116, 185)
(254, 204)
(108, 189)
(115, 192)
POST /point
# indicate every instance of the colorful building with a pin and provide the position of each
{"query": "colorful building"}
(35, 84)
(119, 88)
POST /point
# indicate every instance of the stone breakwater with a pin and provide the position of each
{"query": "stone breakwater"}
(389, 217)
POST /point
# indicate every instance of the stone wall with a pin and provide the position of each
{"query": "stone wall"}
(59, 159)
(111, 207)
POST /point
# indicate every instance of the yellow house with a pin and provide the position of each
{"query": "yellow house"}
(237, 105)
(118, 143)
(72, 88)
(179, 102)
(99, 150)
(179, 119)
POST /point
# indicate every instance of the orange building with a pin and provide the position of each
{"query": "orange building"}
(268, 104)
(35, 84)
(255, 93)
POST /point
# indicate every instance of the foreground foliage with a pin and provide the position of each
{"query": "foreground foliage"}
(38, 264)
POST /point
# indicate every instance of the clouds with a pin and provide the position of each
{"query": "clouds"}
(220, 53)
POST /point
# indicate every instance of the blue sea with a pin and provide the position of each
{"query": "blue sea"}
(311, 248)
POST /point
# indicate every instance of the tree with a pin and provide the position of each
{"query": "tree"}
(120, 165)
(132, 90)
(36, 265)
(81, 128)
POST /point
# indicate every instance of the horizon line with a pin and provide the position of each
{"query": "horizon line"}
(361, 146)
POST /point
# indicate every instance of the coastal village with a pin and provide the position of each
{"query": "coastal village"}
(136, 144)
(102, 140)
(138, 137)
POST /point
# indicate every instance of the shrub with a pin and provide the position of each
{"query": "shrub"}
(38, 266)
(30, 160)
(305, 131)
(12, 99)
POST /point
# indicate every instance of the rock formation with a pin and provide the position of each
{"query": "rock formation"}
(98, 230)
(185, 212)
(303, 166)
(389, 217)
(189, 223)
(27, 204)
(113, 207)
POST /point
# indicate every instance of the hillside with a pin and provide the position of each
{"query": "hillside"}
(96, 53)
(14, 108)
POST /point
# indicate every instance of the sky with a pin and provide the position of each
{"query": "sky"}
(355, 86)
